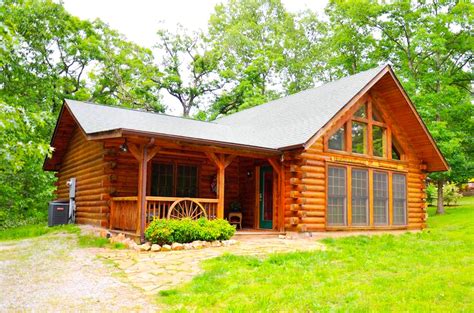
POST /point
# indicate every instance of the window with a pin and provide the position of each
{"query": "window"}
(168, 180)
(378, 141)
(368, 135)
(399, 199)
(359, 137)
(360, 197)
(337, 140)
(349, 203)
(187, 181)
(396, 155)
(162, 179)
(336, 196)
(380, 191)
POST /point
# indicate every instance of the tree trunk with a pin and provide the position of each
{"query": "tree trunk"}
(440, 207)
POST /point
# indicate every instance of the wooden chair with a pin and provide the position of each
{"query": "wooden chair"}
(235, 218)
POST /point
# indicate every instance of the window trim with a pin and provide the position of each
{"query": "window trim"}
(348, 204)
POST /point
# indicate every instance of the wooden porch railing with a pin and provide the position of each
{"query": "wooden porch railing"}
(124, 213)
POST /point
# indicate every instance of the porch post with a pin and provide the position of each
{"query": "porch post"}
(143, 155)
(221, 161)
(220, 191)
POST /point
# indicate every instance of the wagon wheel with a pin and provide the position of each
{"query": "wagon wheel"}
(186, 208)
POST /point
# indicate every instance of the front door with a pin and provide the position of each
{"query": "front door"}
(266, 197)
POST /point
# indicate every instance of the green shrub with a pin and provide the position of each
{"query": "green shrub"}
(451, 194)
(163, 231)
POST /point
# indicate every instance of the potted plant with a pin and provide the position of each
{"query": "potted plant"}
(235, 207)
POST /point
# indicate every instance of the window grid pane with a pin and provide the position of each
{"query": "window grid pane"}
(380, 190)
(187, 181)
(337, 140)
(378, 140)
(336, 196)
(360, 198)
(399, 199)
(359, 137)
(162, 180)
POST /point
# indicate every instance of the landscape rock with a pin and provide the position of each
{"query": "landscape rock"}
(281, 237)
(230, 242)
(177, 246)
(155, 248)
(188, 246)
(165, 248)
(206, 244)
(216, 244)
(145, 247)
(197, 244)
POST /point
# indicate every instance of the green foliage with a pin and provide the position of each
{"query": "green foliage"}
(188, 69)
(451, 194)
(91, 241)
(383, 273)
(431, 193)
(167, 231)
(35, 230)
(46, 55)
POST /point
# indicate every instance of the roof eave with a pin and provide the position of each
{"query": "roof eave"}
(123, 132)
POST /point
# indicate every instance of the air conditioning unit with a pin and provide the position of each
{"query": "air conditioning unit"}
(58, 213)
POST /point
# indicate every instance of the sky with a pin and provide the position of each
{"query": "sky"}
(139, 20)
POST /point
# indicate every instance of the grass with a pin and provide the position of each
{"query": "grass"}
(90, 241)
(35, 230)
(428, 271)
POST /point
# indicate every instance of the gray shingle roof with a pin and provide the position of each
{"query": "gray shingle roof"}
(285, 122)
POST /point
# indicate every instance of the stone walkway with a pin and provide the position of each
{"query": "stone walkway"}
(155, 271)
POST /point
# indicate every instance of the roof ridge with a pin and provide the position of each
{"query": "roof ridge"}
(263, 105)
(140, 111)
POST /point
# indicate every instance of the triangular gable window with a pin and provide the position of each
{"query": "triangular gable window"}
(365, 133)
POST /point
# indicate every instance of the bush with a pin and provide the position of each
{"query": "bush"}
(164, 231)
(451, 194)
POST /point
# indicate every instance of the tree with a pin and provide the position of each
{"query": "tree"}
(265, 53)
(188, 70)
(47, 55)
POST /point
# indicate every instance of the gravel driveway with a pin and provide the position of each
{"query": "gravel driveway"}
(50, 274)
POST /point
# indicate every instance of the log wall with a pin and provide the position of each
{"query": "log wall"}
(84, 160)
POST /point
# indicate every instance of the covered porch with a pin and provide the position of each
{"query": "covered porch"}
(158, 178)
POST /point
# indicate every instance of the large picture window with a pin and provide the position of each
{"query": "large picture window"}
(168, 180)
(360, 197)
(337, 196)
(399, 199)
(363, 198)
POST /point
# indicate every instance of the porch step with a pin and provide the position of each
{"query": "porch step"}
(252, 233)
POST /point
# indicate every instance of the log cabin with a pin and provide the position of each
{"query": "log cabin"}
(352, 154)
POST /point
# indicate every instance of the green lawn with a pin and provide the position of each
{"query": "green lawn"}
(428, 271)
(35, 230)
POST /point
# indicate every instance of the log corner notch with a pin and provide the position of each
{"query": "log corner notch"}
(143, 153)
(279, 169)
(221, 161)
